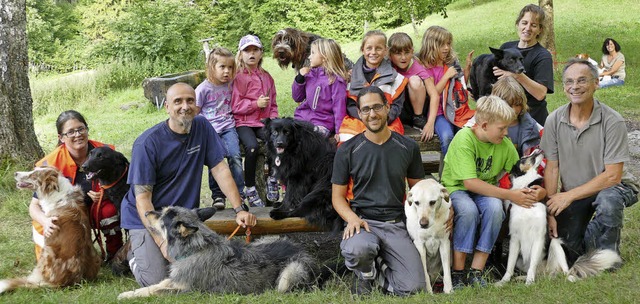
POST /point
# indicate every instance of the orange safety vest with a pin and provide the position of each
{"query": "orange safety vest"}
(354, 126)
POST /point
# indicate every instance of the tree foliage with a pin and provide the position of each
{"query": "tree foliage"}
(93, 32)
(163, 30)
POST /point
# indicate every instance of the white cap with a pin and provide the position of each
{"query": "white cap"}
(249, 40)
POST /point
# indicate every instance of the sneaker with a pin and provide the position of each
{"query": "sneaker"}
(476, 278)
(362, 287)
(253, 198)
(419, 121)
(458, 279)
(273, 189)
(218, 203)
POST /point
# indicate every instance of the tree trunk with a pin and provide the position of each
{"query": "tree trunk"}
(549, 39)
(414, 24)
(17, 136)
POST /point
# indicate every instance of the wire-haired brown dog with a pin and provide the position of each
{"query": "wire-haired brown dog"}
(292, 46)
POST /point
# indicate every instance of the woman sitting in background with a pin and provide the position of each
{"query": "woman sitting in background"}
(612, 63)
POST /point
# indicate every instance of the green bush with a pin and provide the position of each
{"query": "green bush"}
(159, 31)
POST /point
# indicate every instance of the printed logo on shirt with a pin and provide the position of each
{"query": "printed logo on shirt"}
(482, 165)
(193, 149)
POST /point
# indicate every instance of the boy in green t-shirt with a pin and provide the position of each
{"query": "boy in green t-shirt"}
(476, 157)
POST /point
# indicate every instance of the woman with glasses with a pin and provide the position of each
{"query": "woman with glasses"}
(72, 150)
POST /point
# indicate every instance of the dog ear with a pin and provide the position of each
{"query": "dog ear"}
(186, 229)
(409, 198)
(205, 213)
(497, 52)
(50, 181)
(445, 194)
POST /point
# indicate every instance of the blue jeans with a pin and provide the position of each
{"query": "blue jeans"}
(611, 83)
(470, 210)
(581, 231)
(230, 141)
(445, 131)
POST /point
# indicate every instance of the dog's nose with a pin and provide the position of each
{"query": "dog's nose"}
(424, 223)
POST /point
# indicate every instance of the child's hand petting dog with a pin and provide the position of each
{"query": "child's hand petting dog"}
(539, 192)
(524, 198)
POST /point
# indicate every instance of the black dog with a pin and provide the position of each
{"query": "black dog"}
(482, 77)
(293, 46)
(303, 161)
(110, 167)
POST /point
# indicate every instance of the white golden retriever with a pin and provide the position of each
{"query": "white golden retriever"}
(427, 210)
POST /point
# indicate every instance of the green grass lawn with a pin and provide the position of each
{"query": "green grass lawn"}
(580, 27)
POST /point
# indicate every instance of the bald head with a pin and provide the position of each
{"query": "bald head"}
(179, 87)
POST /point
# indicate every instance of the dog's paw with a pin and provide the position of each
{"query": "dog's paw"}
(277, 214)
(4, 286)
(127, 295)
(500, 283)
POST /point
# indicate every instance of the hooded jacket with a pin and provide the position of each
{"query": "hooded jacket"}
(321, 103)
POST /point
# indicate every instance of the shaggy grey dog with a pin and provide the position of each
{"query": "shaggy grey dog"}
(205, 261)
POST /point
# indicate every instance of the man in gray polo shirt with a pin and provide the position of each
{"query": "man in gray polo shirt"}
(585, 143)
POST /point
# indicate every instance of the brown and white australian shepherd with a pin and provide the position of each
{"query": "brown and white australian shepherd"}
(68, 255)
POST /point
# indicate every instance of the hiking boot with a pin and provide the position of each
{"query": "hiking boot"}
(458, 279)
(273, 189)
(218, 203)
(419, 121)
(362, 287)
(476, 278)
(253, 198)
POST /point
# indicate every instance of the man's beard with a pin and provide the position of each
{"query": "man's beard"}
(186, 123)
(379, 129)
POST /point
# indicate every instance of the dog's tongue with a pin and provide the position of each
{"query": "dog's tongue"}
(22, 185)
(279, 150)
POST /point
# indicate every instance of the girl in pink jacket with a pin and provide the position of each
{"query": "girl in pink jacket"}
(253, 99)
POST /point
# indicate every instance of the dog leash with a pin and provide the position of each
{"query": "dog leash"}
(247, 234)
(96, 215)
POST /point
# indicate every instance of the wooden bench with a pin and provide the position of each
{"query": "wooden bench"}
(429, 151)
(224, 222)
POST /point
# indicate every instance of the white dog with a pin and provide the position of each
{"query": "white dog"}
(427, 210)
(528, 231)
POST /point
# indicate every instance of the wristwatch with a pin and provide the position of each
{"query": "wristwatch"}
(243, 207)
